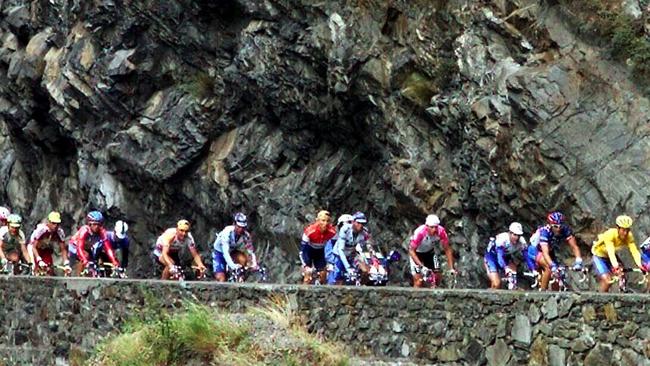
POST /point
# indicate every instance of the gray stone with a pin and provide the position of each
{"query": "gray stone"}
(498, 354)
(556, 356)
(449, 353)
(549, 309)
(600, 355)
(120, 64)
(583, 343)
(521, 330)
(534, 314)
(397, 327)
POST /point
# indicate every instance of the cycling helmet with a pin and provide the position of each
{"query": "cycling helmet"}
(555, 218)
(345, 218)
(4, 213)
(360, 217)
(241, 220)
(432, 220)
(183, 224)
(54, 217)
(624, 221)
(95, 216)
(645, 245)
(516, 228)
(120, 229)
(14, 220)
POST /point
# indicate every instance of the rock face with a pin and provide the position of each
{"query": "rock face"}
(482, 113)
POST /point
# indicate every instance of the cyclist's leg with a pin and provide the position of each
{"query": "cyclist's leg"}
(337, 275)
(318, 257)
(545, 270)
(492, 269)
(219, 266)
(417, 277)
(603, 270)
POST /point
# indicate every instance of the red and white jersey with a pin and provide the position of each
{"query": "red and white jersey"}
(45, 238)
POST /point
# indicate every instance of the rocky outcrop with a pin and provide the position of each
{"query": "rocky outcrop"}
(60, 320)
(481, 112)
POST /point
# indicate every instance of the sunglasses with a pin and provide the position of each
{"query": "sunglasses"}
(183, 230)
(93, 224)
(555, 226)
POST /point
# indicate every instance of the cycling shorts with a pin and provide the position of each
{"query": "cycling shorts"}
(427, 260)
(313, 257)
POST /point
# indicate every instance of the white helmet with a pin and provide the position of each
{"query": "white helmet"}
(432, 220)
(516, 228)
(4, 213)
(121, 228)
(345, 218)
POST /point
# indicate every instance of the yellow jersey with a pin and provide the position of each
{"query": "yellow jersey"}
(609, 242)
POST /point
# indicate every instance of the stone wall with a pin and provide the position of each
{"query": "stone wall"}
(44, 319)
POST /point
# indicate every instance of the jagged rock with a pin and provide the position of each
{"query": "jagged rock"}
(521, 330)
(556, 356)
(498, 354)
(600, 355)
(152, 112)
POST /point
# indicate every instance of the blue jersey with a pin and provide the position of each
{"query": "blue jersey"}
(544, 235)
(117, 243)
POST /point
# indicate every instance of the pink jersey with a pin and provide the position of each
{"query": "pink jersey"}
(422, 242)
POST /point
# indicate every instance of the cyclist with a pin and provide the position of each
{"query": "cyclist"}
(90, 243)
(312, 246)
(119, 240)
(330, 257)
(605, 247)
(42, 241)
(12, 243)
(645, 255)
(422, 248)
(4, 215)
(498, 255)
(231, 242)
(545, 241)
(169, 247)
(353, 239)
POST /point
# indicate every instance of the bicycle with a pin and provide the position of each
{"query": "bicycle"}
(242, 274)
(352, 277)
(622, 280)
(66, 270)
(313, 276)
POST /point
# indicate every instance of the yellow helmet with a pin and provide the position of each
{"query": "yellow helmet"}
(624, 221)
(54, 217)
(183, 224)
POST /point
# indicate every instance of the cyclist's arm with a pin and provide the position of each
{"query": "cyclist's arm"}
(304, 243)
(250, 249)
(415, 242)
(109, 252)
(573, 243)
(165, 243)
(449, 253)
(23, 249)
(444, 240)
(31, 253)
(196, 257)
(225, 249)
(2, 253)
(635, 254)
(338, 250)
(611, 252)
(35, 256)
(501, 256)
(64, 253)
